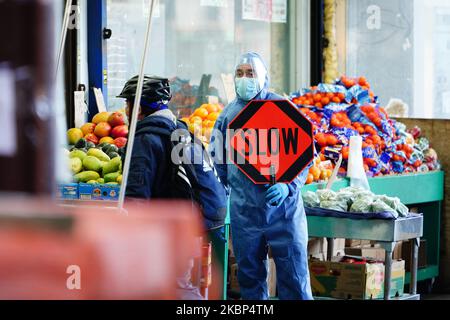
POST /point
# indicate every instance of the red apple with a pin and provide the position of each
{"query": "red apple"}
(116, 119)
(92, 138)
(120, 132)
(121, 142)
(103, 129)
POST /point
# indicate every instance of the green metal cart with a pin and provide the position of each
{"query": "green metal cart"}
(424, 191)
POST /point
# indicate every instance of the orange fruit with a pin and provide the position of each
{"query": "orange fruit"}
(315, 171)
(310, 179)
(185, 120)
(212, 108)
(196, 119)
(201, 112)
(213, 116)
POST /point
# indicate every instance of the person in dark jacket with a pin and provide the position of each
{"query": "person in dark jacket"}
(150, 165)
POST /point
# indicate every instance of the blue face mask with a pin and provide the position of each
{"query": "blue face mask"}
(247, 88)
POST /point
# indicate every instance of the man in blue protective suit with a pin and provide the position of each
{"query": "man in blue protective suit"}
(262, 217)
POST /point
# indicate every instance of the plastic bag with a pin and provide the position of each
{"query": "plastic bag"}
(403, 210)
(311, 199)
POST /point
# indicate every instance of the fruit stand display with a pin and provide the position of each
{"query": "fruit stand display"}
(95, 155)
(350, 108)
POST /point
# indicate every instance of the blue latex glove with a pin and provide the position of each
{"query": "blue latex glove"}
(277, 194)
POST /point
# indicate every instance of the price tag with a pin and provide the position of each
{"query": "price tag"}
(81, 109)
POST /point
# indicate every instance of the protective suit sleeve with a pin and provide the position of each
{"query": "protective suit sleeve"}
(299, 182)
(217, 149)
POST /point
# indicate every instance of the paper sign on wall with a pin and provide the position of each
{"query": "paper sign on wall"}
(214, 3)
(81, 109)
(8, 142)
(100, 100)
(259, 10)
(265, 10)
(279, 11)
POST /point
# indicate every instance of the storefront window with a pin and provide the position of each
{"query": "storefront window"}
(381, 45)
(196, 44)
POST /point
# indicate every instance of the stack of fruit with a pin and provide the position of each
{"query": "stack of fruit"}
(350, 108)
(95, 165)
(106, 127)
(96, 149)
(321, 171)
(202, 121)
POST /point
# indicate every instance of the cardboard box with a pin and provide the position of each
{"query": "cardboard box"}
(271, 278)
(373, 253)
(366, 282)
(324, 276)
(353, 281)
(406, 254)
(68, 191)
(397, 254)
(318, 248)
(99, 192)
(356, 243)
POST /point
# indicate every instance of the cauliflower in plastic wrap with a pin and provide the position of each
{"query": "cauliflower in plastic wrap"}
(403, 210)
(362, 205)
(380, 206)
(395, 204)
(311, 199)
(326, 195)
(337, 205)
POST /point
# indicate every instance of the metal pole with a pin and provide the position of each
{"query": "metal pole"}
(330, 249)
(415, 244)
(389, 248)
(134, 116)
(62, 41)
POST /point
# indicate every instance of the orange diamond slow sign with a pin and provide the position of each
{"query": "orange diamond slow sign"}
(271, 139)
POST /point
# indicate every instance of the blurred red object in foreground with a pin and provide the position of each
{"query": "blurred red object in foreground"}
(47, 252)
